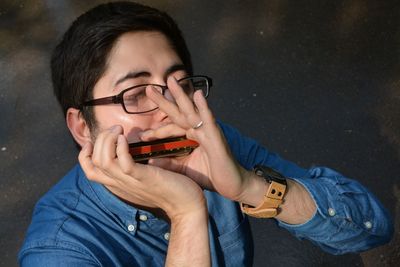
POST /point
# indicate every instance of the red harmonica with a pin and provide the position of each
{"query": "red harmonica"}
(168, 147)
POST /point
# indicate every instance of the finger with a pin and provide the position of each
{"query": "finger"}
(99, 145)
(85, 154)
(109, 145)
(125, 159)
(211, 134)
(170, 108)
(202, 106)
(165, 131)
(127, 165)
(205, 116)
(92, 173)
(183, 101)
(97, 148)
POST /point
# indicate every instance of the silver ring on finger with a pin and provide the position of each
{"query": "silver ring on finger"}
(198, 125)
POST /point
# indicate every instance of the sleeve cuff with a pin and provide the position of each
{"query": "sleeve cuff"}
(315, 221)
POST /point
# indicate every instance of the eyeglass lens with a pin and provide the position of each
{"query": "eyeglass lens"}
(135, 100)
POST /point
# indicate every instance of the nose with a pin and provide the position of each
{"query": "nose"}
(160, 117)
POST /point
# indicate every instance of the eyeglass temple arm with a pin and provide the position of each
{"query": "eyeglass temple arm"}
(116, 99)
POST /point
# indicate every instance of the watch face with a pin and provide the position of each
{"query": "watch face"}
(269, 174)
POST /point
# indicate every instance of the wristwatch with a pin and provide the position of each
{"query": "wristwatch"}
(273, 196)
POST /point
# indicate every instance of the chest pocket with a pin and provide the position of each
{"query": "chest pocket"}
(234, 248)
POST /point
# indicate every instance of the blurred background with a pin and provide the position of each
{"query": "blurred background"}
(316, 81)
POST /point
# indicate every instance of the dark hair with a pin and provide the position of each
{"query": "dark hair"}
(79, 60)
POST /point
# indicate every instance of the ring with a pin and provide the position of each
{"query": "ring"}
(198, 125)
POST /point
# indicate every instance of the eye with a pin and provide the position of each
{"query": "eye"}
(131, 97)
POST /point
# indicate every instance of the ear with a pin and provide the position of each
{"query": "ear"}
(78, 126)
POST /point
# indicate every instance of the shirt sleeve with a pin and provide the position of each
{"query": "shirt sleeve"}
(349, 218)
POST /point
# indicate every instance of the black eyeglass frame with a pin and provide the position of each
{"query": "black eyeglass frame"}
(119, 98)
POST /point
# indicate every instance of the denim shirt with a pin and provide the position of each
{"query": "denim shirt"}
(80, 223)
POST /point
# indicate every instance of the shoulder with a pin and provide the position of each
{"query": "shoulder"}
(247, 151)
(62, 199)
(230, 133)
(238, 143)
(55, 211)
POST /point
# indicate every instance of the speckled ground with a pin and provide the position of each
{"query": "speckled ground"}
(315, 81)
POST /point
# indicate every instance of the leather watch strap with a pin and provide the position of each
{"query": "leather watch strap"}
(273, 196)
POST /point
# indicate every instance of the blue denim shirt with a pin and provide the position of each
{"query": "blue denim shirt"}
(80, 223)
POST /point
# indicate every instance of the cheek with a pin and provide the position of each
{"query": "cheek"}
(108, 116)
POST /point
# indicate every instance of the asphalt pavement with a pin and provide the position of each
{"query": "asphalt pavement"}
(318, 82)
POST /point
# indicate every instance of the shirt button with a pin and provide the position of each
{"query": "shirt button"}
(131, 228)
(166, 236)
(368, 225)
(143, 217)
(331, 212)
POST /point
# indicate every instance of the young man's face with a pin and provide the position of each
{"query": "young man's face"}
(148, 58)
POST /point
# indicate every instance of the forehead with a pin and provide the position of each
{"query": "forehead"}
(138, 52)
(142, 49)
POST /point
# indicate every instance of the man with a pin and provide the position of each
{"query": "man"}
(122, 74)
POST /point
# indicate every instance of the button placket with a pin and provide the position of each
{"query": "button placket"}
(368, 224)
(143, 217)
(167, 236)
(131, 228)
(331, 212)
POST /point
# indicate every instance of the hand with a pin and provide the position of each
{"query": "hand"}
(109, 162)
(211, 164)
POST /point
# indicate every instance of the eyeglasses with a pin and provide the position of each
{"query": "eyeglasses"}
(135, 101)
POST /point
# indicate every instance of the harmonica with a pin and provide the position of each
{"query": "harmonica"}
(168, 147)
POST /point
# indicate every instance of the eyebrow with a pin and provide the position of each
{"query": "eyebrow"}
(137, 74)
